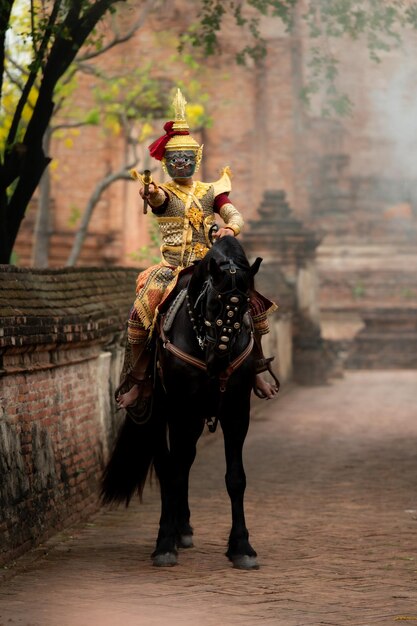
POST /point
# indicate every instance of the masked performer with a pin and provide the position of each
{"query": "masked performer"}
(185, 210)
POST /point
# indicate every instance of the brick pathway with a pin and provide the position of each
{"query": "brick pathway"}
(332, 510)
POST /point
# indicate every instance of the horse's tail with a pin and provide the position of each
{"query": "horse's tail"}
(130, 462)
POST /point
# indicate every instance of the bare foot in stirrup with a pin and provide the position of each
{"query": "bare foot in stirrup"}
(126, 399)
(264, 389)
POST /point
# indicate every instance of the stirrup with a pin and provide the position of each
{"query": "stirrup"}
(263, 364)
(268, 368)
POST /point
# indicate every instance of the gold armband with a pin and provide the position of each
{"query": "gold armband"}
(231, 217)
(234, 227)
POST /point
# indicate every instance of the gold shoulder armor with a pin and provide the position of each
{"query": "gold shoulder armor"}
(224, 184)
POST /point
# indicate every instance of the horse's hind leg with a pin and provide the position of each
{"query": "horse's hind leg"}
(165, 553)
(173, 473)
(239, 551)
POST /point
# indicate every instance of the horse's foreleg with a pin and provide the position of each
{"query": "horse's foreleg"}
(239, 551)
(183, 442)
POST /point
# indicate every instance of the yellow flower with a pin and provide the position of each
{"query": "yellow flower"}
(195, 115)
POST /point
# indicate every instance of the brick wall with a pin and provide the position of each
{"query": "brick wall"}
(61, 338)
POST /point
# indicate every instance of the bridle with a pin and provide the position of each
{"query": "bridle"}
(218, 332)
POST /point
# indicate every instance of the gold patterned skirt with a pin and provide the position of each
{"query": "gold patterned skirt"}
(152, 286)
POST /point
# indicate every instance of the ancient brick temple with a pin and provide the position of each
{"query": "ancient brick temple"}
(351, 181)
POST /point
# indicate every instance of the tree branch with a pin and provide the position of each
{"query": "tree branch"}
(66, 125)
(32, 28)
(13, 79)
(5, 11)
(102, 185)
(16, 65)
(32, 75)
(118, 39)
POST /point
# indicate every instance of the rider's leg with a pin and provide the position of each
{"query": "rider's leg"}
(259, 312)
(151, 286)
(140, 356)
(262, 386)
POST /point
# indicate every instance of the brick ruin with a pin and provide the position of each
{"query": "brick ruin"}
(367, 264)
(349, 181)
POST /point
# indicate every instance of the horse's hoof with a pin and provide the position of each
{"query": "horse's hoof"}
(168, 559)
(185, 541)
(245, 562)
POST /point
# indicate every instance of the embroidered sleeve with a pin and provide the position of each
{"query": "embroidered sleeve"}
(231, 217)
(159, 205)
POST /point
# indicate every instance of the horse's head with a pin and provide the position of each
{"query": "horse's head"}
(220, 291)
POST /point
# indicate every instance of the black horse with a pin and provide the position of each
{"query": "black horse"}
(205, 373)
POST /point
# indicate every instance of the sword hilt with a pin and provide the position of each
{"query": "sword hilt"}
(147, 179)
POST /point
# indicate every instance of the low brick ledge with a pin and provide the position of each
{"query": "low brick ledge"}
(59, 309)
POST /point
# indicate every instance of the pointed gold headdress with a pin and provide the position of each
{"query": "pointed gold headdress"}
(181, 141)
(177, 135)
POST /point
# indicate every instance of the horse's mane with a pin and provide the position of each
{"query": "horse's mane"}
(222, 249)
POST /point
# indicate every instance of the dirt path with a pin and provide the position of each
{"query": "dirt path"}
(332, 511)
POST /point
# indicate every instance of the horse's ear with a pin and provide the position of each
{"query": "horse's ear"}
(255, 266)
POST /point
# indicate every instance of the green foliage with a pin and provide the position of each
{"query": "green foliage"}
(130, 97)
(93, 117)
(378, 24)
(408, 294)
(340, 104)
(14, 258)
(75, 215)
(130, 100)
(359, 290)
(210, 17)
(411, 14)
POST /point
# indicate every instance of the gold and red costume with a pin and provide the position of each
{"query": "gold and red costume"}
(184, 219)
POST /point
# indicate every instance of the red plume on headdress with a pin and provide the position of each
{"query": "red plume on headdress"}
(157, 148)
